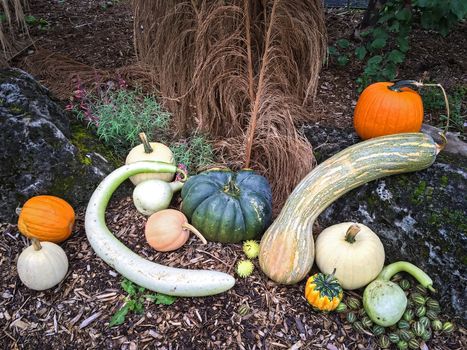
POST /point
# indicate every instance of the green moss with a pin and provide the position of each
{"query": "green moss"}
(444, 181)
(419, 192)
(86, 142)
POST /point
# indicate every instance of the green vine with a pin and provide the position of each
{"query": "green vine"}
(384, 46)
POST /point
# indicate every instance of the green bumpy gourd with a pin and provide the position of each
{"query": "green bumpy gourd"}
(227, 206)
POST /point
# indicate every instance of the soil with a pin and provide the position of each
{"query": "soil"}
(256, 313)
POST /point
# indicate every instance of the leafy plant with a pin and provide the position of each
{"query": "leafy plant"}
(435, 102)
(384, 46)
(134, 301)
(119, 115)
(194, 152)
(40, 23)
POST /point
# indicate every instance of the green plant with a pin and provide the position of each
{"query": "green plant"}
(119, 115)
(195, 152)
(40, 23)
(134, 301)
(435, 102)
(385, 45)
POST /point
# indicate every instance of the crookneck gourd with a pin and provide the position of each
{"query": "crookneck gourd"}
(228, 207)
(287, 247)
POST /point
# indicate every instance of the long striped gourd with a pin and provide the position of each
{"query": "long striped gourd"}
(287, 247)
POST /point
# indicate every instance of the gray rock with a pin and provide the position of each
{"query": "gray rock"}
(36, 154)
(420, 217)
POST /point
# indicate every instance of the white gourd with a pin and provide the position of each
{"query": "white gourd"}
(150, 151)
(354, 250)
(42, 265)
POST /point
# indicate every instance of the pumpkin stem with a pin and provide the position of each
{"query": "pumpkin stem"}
(36, 244)
(193, 229)
(398, 85)
(146, 144)
(351, 233)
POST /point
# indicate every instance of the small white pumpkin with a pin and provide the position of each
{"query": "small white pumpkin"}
(154, 151)
(354, 250)
(42, 265)
(151, 196)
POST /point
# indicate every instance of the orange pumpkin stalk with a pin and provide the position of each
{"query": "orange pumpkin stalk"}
(46, 218)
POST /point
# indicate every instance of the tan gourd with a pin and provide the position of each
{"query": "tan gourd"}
(152, 151)
(168, 230)
(42, 265)
(353, 250)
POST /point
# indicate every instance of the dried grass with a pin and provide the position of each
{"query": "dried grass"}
(244, 71)
(15, 23)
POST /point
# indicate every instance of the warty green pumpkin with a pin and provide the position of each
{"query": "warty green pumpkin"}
(227, 206)
(287, 247)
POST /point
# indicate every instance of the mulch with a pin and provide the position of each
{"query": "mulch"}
(257, 313)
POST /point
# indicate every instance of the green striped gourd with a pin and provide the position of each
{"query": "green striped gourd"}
(287, 247)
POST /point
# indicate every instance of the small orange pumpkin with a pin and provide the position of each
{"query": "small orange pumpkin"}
(168, 230)
(47, 218)
(388, 108)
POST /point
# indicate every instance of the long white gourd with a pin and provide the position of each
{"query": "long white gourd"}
(150, 275)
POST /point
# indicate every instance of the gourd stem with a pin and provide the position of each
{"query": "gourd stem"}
(331, 276)
(183, 173)
(146, 144)
(446, 101)
(193, 229)
(176, 186)
(352, 232)
(405, 266)
(36, 244)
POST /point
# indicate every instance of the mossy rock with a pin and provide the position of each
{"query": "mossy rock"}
(420, 217)
(41, 152)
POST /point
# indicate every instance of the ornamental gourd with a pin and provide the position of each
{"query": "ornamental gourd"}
(354, 250)
(42, 265)
(168, 230)
(287, 247)
(150, 151)
(228, 207)
(47, 218)
(323, 291)
(388, 108)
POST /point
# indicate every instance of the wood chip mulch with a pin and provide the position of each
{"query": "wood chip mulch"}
(256, 314)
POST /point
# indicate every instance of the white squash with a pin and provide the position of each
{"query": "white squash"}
(151, 196)
(150, 275)
(152, 151)
(354, 250)
(42, 265)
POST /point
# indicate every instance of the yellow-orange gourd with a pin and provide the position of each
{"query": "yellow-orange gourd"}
(47, 218)
(323, 292)
(386, 108)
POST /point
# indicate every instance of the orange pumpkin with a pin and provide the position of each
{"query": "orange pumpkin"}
(388, 108)
(47, 218)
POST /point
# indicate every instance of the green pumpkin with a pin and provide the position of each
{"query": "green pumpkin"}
(228, 207)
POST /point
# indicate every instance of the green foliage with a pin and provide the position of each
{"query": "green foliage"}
(195, 152)
(385, 45)
(40, 23)
(434, 101)
(134, 301)
(119, 115)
